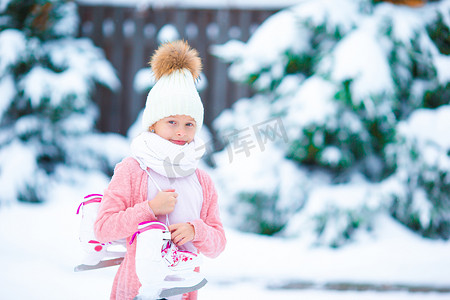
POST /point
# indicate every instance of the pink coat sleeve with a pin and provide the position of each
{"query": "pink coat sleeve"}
(209, 233)
(123, 206)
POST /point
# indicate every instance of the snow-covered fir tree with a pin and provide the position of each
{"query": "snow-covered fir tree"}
(348, 121)
(47, 116)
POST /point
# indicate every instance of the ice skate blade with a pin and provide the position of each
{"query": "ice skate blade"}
(101, 264)
(140, 298)
(181, 290)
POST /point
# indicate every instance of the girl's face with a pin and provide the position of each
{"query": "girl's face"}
(178, 129)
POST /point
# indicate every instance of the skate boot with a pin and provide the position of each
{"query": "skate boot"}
(162, 269)
(95, 252)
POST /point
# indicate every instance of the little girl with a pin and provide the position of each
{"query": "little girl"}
(169, 150)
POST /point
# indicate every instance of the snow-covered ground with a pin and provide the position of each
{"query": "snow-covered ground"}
(40, 248)
(202, 4)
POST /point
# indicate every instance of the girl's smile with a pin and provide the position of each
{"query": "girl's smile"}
(178, 142)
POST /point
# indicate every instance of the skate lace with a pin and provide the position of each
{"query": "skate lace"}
(144, 167)
(173, 256)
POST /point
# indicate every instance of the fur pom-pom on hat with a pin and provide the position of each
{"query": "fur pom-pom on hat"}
(174, 56)
(176, 67)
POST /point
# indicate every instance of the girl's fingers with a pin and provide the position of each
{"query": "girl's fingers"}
(181, 242)
(173, 227)
(178, 237)
(180, 233)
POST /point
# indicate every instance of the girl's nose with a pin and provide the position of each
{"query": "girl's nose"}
(180, 132)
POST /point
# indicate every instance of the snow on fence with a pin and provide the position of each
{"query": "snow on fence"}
(129, 50)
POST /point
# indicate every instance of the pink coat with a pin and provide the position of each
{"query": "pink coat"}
(125, 205)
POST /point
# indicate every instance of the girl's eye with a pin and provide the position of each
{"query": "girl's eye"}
(172, 122)
(190, 124)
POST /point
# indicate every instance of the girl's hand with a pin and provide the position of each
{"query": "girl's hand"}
(164, 202)
(182, 233)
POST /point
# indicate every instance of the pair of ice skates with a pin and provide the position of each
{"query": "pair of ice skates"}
(162, 268)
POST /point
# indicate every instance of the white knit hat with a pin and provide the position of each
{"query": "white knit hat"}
(176, 66)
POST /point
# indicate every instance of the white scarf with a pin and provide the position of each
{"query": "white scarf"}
(166, 158)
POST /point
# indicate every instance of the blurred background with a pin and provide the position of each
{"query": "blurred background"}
(327, 129)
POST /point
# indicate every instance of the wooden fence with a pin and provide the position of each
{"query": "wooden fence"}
(129, 37)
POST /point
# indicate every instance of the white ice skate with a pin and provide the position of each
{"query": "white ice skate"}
(162, 269)
(97, 254)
